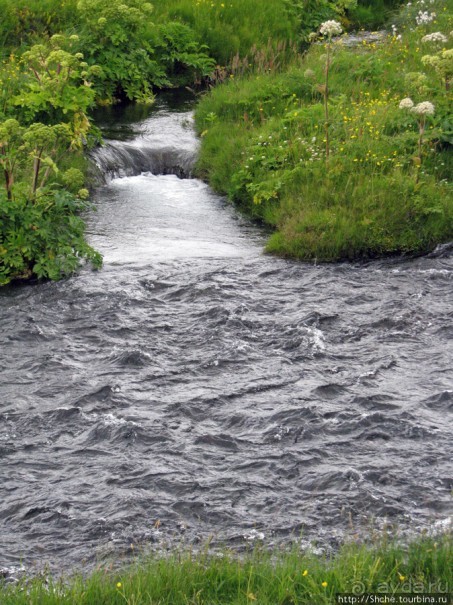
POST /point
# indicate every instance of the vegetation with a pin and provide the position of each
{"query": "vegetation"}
(335, 165)
(344, 152)
(41, 233)
(60, 59)
(284, 578)
(233, 27)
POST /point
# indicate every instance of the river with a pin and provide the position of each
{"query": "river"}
(197, 387)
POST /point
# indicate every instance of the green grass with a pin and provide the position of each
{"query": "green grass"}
(27, 21)
(264, 145)
(228, 27)
(278, 578)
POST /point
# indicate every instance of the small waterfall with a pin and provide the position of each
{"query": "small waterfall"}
(160, 146)
(116, 159)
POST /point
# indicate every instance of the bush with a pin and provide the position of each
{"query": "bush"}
(42, 238)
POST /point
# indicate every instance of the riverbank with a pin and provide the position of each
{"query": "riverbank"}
(369, 178)
(279, 578)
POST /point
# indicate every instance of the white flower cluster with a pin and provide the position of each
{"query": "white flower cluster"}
(435, 37)
(406, 103)
(330, 28)
(423, 17)
(424, 109)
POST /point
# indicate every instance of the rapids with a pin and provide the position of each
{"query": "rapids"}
(197, 387)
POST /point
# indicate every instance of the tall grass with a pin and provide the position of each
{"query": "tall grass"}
(27, 21)
(230, 27)
(278, 578)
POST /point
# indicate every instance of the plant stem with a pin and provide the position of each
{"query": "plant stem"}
(326, 102)
(421, 126)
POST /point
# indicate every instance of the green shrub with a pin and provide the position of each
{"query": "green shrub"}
(183, 58)
(113, 36)
(41, 232)
(43, 237)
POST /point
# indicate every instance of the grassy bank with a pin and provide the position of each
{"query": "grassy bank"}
(287, 578)
(371, 178)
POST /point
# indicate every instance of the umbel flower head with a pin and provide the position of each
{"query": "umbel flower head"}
(406, 103)
(424, 109)
(330, 28)
(435, 38)
(423, 17)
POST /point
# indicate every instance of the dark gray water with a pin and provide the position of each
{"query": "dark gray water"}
(197, 382)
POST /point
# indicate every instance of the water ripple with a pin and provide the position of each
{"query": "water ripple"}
(196, 382)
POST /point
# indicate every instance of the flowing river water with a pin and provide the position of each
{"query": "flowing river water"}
(196, 387)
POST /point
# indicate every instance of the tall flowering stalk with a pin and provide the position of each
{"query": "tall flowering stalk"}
(328, 29)
(421, 111)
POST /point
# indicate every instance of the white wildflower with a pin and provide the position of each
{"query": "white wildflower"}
(435, 37)
(330, 28)
(406, 103)
(424, 109)
(423, 17)
(309, 73)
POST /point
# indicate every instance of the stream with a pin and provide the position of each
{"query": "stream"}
(197, 388)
